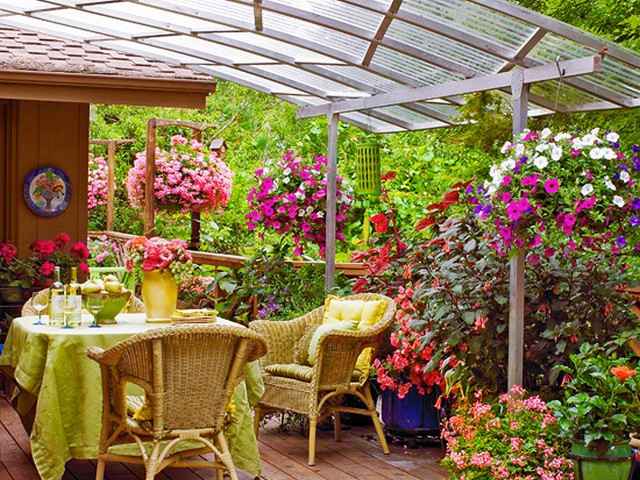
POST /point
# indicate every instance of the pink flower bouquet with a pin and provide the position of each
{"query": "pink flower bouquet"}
(98, 178)
(152, 254)
(561, 193)
(291, 199)
(188, 177)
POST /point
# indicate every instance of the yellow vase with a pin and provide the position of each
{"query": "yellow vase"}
(160, 296)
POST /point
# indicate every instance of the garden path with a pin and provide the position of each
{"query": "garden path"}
(284, 458)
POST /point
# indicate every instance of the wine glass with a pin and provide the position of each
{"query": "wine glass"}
(39, 302)
(94, 304)
(69, 307)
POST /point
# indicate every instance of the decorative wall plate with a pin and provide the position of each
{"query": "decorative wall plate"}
(47, 191)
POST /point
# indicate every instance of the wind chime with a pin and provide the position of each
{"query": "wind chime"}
(368, 183)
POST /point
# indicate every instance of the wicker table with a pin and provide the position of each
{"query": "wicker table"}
(60, 392)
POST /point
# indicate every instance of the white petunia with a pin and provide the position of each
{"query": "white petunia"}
(588, 140)
(612, 137)
(556, 152)
(541, 162)
(577, 144)
(520, 150)
(495, 172)
(546, 133)
(506, 147)
(287, 171)
(508, 164)
(624, 176)
(491, 189)
(587, 189)
(596, 153)
(562, 136)
(595, 132)
(618, 201)
(609, 184)
(542, 147)
(610, 154)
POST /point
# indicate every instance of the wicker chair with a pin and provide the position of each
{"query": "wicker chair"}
(188, 373)
(135, 305)
(316, 391)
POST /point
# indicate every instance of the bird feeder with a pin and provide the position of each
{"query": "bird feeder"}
(368, 170)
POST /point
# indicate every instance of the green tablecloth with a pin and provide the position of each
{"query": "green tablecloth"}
(60, 388)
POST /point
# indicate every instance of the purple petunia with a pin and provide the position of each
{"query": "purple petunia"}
(635, 203)
(634, 221)
(551, 186)
(530, 180)
(621, 242)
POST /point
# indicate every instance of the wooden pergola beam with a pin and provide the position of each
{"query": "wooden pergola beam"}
(542, 73)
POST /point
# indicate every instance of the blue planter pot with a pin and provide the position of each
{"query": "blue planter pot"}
(414, 412)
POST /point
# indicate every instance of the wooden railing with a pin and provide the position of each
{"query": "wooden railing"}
(237, 261)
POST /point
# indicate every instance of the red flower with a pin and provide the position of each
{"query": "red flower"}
(623, 373)
(390, 175)
(8, 252)
(43, 248)
(47, 268)
(80, 250)
(380, 222)
(83, 267)
(62, 239)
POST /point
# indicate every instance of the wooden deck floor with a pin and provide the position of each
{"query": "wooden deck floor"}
(357, 457)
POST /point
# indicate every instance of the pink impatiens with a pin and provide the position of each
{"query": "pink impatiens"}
(188, 178)
(98, 177)
(290, 198)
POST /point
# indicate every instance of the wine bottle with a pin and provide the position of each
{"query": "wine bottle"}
(74, 300)
(56, 300)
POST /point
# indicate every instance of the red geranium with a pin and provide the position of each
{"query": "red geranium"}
(62, 240)
(8, 252)
(380, 222)
(47, 268)
(44, 248)
(80, 250)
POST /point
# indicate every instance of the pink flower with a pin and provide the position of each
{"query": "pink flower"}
(530, 181)
(551, 186)
(47, 268)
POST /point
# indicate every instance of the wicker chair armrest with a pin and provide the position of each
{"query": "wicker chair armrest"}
(280, 337)
(103, 357)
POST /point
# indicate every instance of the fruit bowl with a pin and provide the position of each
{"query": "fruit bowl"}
(114, 303)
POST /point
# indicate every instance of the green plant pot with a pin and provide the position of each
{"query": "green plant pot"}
(612, 464)
(11, 295)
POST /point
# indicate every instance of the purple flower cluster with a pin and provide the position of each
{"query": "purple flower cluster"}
(290, 198)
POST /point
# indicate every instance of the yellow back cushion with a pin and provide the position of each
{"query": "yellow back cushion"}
(372, 312)
(336, 309)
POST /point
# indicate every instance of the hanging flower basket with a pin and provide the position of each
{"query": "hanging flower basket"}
(189, 178)
(368, 170)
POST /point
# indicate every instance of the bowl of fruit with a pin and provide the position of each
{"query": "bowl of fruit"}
(108, 293)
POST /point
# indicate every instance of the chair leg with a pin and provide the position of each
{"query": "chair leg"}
(100, 469)
(376, 420)
(257, 418)
(337, 426)
(152, 464)
(313, 426)
(225, 458)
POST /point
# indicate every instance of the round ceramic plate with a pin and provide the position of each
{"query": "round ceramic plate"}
(47, 191)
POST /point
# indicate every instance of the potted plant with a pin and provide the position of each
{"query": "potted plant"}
(600, 408)
(60, 252)
(162, 264)
(16, 275)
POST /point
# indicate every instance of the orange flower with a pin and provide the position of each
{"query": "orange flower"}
(623, 373)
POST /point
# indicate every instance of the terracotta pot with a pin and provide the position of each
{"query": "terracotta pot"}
(160, 296)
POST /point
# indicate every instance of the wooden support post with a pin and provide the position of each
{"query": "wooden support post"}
(149, 197)
(111, 182)
(195, 216)
(519, 92)
(332, 168)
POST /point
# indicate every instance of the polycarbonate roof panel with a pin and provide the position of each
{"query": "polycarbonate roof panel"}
(313, 52)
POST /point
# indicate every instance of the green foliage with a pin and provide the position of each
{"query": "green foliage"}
(601, 403)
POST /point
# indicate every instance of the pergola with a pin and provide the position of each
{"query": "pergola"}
(383, 65)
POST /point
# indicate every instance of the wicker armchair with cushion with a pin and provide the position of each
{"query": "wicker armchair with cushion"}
(316, 390)
(188, 374)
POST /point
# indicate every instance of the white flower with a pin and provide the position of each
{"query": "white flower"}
(595, 132)
(542, 147)
(287, 171)
(609, 154)
(320, 214)
(506, 147)
(541, 162)
(609, 184)
(286, 180)
(588, 140)
(508, 164)
(556, 152)
(520, 150)
(546, 133)
(275, 185)
(612, 137)
(491, 189)
(596, 153)
(562, 136)
(587, 189)
(624, 176)
(299, 195)
(618, 201)
(496, 173)
(577, 144)
(301, 212)
(266, 169)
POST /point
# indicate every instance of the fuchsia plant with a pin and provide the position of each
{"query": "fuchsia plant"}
(98, 178)
(561, 193)
(291, 199)
(188, 177)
